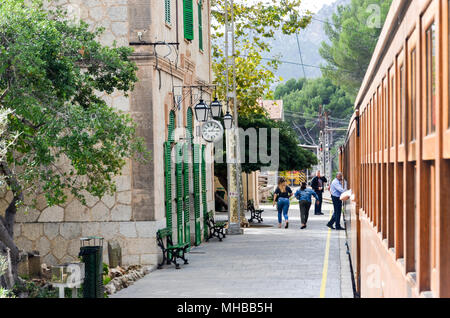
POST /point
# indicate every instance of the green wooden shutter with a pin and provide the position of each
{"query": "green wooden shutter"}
(171, 127)
(188, 14)
(179, 191)
(167, 10)
(200, 26)
(190, 122)
(198, 234)
(205, 204)
(168, 183)
(187, 197)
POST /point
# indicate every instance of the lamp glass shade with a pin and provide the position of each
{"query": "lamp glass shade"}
(216, 108)
(201, 111)
(228, 121)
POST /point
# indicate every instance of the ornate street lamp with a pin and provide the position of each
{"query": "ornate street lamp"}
(201, 111)
(228, 120)
(216, 108)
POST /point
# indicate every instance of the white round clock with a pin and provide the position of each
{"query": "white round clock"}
(212, 131)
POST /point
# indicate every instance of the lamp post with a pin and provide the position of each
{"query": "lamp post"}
(216, 108)
(201, 111)
(232, 136)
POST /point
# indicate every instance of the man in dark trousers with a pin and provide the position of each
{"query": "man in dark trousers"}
(318, 184)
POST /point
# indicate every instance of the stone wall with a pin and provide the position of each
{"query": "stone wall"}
(136, 211)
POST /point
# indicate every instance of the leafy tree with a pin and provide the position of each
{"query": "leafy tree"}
(255, 23)
(353, 34)
(291, 156)
(70, 141)
(302, 105)
(302, 101)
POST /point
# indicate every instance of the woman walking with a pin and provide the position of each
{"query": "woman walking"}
(281, 197)
(304, 195)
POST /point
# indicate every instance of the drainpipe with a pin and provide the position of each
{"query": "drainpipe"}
(176, 26)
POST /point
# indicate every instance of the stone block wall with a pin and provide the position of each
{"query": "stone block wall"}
(136, 211)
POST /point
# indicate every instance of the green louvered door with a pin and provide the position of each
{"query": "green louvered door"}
(188, 19)
(168, 183)
(200, 25)
(187, 198)
(204, 203)
(198, 234)
(179, 190)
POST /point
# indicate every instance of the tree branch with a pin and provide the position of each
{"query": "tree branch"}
(10, 213)
(4, 94)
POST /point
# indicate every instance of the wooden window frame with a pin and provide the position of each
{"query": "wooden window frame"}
(401, 106)
(392, 113)
(428, 18)
(412, 82)
(446, 78)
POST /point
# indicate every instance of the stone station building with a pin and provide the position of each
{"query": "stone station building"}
(161, 193)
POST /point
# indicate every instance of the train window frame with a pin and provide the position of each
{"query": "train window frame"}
(413, 89)
(431, 82)
(400, 107)
(385, 118)
(392, 113)
(429, 18)
(446, 74)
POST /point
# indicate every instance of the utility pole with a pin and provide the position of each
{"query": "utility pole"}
(235, 212)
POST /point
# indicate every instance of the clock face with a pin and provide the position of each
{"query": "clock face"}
(212, 130)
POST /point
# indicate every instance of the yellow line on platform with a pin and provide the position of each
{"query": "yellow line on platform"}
(323, 286)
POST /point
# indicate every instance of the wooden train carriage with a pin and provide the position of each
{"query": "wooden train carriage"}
(397, 158)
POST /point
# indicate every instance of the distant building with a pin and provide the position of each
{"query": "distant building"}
(274, 108)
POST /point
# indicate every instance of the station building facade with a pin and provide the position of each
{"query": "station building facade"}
(164, 192)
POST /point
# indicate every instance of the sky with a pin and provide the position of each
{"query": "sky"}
(312, 5)
(315, 5)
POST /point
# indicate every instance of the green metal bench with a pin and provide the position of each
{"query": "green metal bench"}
(216, 228)
(170, 251)
(254, 213)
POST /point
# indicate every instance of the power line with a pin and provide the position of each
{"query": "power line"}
(299, 115)
(301, 58)
(303, 113)
(296, 63)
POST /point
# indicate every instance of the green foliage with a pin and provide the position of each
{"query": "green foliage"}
(33, 290)
(105, 269)
(52, 72)
(302, 100)
(106, 279)
(5, 293)
(289, 87)
(292, 157)
(353, 38)
(255, 23)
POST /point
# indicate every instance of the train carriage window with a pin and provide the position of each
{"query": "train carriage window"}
(431, 79)
(412, 106)
(401, 104)
(392, 108)
(386, 112)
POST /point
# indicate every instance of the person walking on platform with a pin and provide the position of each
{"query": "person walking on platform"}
(318, 185)
(304, 195)
(281, 197)
(336, 189)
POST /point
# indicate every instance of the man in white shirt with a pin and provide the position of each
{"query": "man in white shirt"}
(336, 190)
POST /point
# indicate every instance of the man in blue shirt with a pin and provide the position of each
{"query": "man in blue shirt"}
(336, 190)
(304, 195)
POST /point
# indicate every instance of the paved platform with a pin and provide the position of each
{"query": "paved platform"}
(264, 262)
